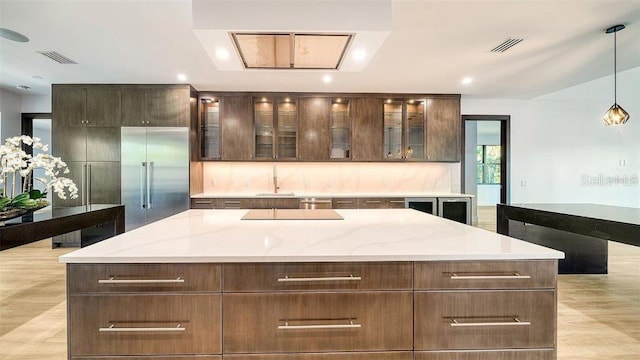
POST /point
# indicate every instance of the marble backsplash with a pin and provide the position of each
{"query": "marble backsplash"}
(307, 177)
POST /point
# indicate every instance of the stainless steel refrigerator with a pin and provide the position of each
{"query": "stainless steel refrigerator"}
(155, 173)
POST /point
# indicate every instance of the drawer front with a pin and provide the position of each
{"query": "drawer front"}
(104, 278)
(263, 323)
(486, 274)
(252, 277)
(373, 203)
(488, 355)
(232, 203)
(404, 355)
(186, 357)
(200, 203)
(395, 203)
(286, 203)
(111, 324)
(545, 354)
(485, 320)
(344, 203)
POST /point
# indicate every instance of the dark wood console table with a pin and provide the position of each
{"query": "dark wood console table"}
(58, 221)
(581, 231)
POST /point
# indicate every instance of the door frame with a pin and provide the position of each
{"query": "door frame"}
(505, 151)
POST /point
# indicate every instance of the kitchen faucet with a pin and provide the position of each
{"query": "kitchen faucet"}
(275, 179)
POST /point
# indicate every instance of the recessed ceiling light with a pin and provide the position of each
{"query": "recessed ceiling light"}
(467, 81)
(222, 53)
(12, 35)
(327, 79)
(23, 87)
(37, 77)
(182, 77)
(359, 55)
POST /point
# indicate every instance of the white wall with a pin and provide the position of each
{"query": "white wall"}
(36, 104)
(558, 140)
(10, 114)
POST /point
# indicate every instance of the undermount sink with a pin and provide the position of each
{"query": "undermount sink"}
(276, 194)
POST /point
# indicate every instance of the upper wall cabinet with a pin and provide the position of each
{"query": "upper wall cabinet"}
(443, 128)
(276, 128)
(90, 105)
(313, 129)
(340, 130)
(404, 125)
(237, 128)
(156, 105)
(367, 123)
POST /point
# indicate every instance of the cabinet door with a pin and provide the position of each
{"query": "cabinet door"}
(69, 105)
(167, 106)
(313, 129)
(415, 130)
(340, 130)
(443, 129)
(237, 128)
(104, 182)
(103, 105)
(133, 106)
(366, 115)
(287, 129)
(69, 143)
(103, 143)
(210, 129)
(393, 126)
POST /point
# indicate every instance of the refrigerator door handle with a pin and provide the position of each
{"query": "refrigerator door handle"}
(149, 184)
(143, 182)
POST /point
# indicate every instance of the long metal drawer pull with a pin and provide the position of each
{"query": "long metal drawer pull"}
(113, 328)
(113, 280)
(513, 322)
(203, 202)
(315, 201)
(345, 202)
(513, 275)
(373, 201)
(286, 278)
(350, 325)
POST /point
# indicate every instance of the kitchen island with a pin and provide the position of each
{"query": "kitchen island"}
(378, 284)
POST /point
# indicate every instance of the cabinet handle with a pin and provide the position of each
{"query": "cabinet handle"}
(372, 201)
(286, 278)
(350, 325)
(397, 201)
(344, 201)
(88, 184)
(512, 322)
(113, 280)
(113, 328)
(315, 201)
(513, 275)
(202, 202)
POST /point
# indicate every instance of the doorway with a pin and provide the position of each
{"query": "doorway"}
(38, 125)
(485, 164)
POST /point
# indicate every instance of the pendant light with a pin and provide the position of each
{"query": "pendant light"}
(616, 115)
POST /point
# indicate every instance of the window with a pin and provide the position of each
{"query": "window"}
(488, 164)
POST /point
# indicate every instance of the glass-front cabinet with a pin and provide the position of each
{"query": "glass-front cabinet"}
(276, 128)
(404, 125)
(340, 129)
(210, 129)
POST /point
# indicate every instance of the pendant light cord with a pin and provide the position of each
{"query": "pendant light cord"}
(615, 81)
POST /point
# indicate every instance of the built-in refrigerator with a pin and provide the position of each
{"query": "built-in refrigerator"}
(155, 173)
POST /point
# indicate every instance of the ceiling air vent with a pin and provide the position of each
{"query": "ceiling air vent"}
(506, 45)
(57, 57)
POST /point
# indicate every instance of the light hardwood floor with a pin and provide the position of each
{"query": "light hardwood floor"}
(598, 315)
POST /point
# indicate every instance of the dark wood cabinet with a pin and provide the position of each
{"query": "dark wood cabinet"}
(443, 128)
(236, 128)
(313, 129)
(366, 120)
(156, 105)
(86, 105)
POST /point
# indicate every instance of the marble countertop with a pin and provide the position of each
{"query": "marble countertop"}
(363, 235)
(286, 194)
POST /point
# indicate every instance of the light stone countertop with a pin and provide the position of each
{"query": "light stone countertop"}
(329, 195)
(363, 235)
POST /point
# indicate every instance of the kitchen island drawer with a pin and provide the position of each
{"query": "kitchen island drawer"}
(542, 354)
(318, 322)
(253, 277)
(145, 324)
(486, 274)
(397, 355)
(380, 203)
(344, 203)
(508, 319)
(90, 278)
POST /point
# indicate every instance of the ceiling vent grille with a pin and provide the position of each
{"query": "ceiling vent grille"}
(57, 57)
(506, 45)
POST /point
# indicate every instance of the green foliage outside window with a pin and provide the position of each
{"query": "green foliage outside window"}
(488, 157)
